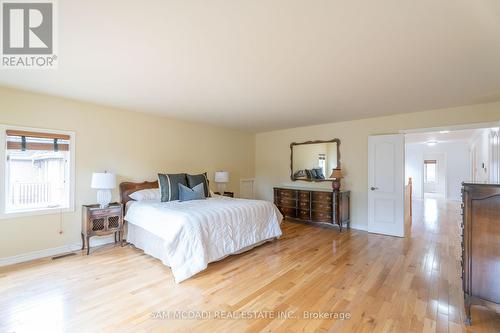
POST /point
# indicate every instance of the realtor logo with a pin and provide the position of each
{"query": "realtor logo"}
(28, 34)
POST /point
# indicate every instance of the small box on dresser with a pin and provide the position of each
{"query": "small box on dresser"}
(97, 221)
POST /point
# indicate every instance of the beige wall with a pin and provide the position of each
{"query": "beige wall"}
(135, 146)
(273, 152)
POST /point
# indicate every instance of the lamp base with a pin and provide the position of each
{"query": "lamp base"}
(336, 184)
(221, 188)
(104, 198)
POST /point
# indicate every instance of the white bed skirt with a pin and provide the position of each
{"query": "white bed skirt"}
(156, 247)
(150, 243)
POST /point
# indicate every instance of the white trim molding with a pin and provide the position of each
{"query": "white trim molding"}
(34, 255)
(451, 127)
(39, 254)
(359, 227)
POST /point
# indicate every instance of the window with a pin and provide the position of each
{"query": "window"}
(430, 171)
(322, 162)
(38, 169)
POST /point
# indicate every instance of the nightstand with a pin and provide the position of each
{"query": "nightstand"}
(97, 221)
(226, 194)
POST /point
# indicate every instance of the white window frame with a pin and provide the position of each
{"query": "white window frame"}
(3, 175)
(435, 173)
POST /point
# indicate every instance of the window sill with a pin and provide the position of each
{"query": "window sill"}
(35, 212)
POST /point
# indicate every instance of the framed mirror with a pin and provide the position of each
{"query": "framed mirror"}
(313, 161)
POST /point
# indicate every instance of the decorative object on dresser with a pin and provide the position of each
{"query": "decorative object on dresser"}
(221, 178)
(310, 160)
(97, 221)
(481, 246)
(336, 176)
(104, 182)
(226, 194)
(314, 205)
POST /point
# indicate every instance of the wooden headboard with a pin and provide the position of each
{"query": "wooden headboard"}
(128, 188)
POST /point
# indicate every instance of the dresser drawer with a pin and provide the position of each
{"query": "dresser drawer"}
(304, 214)
(290, 212)
(321, 217)
(287, 202)
(322, 206)
(304, 196)
(105, 212)
(291, 194)
(322, 196)
(304, 204)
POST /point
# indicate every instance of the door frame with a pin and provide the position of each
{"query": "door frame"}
(451, 127)
(490, 124)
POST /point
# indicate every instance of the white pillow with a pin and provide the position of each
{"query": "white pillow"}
(147, 194)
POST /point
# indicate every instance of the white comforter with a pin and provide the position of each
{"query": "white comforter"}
(198, 232)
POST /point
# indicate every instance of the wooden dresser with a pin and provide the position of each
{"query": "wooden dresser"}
(314, 205)
(481, 246)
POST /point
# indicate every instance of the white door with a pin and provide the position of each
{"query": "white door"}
(386, 184)
(246, 188)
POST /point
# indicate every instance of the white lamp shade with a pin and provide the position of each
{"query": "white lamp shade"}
(222, 177)
(103, 181)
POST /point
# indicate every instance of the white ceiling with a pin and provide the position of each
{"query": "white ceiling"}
(452, 136)
(260, 65)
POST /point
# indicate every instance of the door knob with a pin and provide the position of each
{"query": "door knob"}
(373, 188)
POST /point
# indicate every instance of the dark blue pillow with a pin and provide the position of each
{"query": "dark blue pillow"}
(168, 185)
(195, 193)
(193, 180)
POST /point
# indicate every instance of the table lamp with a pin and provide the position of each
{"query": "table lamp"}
(221, 178)
(104, 182)
(336, 176)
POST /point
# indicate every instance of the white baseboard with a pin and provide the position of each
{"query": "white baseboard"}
(95, 241)
(359, 227)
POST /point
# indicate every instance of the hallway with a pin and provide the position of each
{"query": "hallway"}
(435, 234)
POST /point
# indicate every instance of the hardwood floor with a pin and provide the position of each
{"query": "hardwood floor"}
(384, 284)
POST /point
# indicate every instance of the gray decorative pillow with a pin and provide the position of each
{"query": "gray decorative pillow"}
(193, 180)
(169, 187)
(319, 173)
(195, 193)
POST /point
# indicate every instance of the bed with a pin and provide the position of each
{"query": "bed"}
(188, 235)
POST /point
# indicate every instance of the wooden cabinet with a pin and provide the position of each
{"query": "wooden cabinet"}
(314, 205)
(98, 221)
(481, 246)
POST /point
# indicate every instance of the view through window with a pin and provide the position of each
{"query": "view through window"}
(430, 169)
(36, 171)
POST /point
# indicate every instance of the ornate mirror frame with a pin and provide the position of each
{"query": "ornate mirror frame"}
(337, 141)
